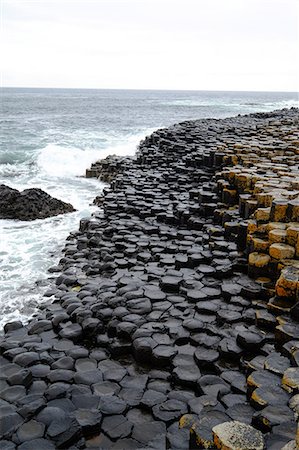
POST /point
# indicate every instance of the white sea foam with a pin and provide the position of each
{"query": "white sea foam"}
(60, 161)
(233, 104)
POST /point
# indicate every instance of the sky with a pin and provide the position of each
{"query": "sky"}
(250, 45)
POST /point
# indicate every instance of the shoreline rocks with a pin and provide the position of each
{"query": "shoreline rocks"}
(30, 204)
(155, 317)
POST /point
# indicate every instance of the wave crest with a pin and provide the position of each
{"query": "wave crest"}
(59, 161)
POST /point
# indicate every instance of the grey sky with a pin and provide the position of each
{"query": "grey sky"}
(151, 44)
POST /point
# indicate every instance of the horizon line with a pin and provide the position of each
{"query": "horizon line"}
(145, 89)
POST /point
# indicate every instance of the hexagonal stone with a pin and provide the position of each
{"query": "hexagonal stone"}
(269, 395)
(9, 420)
(237, 436)
(207, 307)
(205, 340)
(105, 388)
(194, 325)
(88, 377)
(57, 390)
(229, 349)
(134, 381)
(139, 306)
(242, 412)
(262, 378)
(155, 295)
(287, 332)
(23, 377)
(228, 316)
(27, 359)
(40, 326)
(230, 289)
(205, 357)
(265, 319)
(64, 432)
(89, 421)
(188, 375)
(72, 331)
(170, 283)
(162, 355)
(131, 396)
(50, 414)
(63, 403)
(196, 295)
(230, 400)
(277, 364)
(152, 398)
(109, 405)
(170, 410)
(112, 370)
(30, 430)
(290, 379)
(249, 340)
(148, 432)
(63, 363)
(13, 393)
(270, 416)
(60, 375)
(142, 348)
(117, 427)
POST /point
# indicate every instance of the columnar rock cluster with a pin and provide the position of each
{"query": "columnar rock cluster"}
(153, 327)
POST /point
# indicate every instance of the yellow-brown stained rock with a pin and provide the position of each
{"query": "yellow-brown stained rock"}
(288, 282)
(237, 436)
(262, 214)
(252, 226)
(279, 210)
(290, 379)
(281, 251)
(258, 401)
(293, 209)
(274, 225)
(258, 259)
(259, 245)
(277, 235)
(292, 235)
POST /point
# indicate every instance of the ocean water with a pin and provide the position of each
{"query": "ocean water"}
(48, 137)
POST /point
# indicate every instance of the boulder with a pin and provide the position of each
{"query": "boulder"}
(30, 204)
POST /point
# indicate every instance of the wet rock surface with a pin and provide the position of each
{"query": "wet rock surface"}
(30, 204)
(154, 317)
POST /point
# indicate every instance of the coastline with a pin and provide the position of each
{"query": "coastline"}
(154, 315)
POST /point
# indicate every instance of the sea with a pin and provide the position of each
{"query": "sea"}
(48, 137)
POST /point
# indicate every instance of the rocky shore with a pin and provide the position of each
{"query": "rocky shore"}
(174, 320)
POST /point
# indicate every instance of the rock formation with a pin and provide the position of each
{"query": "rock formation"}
(30, 204)
(172, 315)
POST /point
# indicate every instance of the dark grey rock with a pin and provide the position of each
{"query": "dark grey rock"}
(30, 204)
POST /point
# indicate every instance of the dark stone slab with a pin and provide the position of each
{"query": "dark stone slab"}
(117, 426)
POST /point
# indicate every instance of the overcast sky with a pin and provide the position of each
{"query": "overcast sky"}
(151, 44)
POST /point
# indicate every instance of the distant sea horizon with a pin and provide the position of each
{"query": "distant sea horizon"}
(49, 136)
(150, 89)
